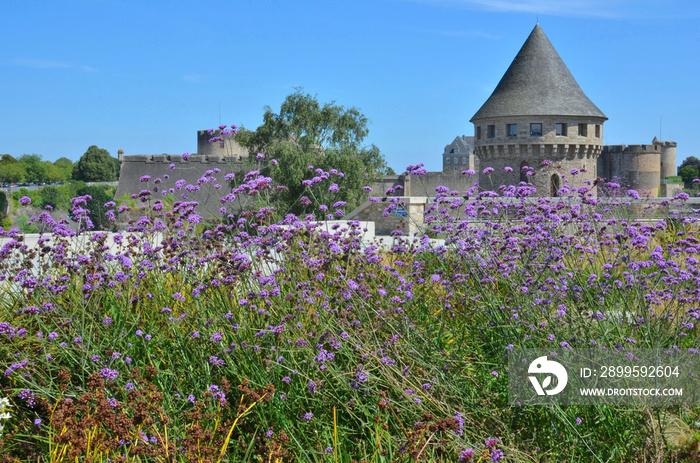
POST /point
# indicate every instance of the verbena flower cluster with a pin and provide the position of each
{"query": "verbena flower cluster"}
(265, 333)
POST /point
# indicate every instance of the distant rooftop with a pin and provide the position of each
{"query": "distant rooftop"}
(538, 83)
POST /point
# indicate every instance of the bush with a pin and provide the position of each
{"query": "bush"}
(100, 195)
(57, 197)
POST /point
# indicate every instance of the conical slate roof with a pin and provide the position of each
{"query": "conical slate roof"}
(538, 83)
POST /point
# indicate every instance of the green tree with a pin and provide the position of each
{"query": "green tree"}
(689, 161)
(688, 174)
(96, 165)
(36, 168)
(327, 136)
(12, 172)
(96, 205)
(65, 167)
(54, 196)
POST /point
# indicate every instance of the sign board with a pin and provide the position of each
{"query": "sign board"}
(400, 211)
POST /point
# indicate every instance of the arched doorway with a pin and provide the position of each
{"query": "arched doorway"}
(523, 173)
(554, 186)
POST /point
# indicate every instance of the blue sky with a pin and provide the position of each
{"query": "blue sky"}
(145, 75)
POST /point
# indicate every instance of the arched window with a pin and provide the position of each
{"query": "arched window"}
(554, 187)
(523, 172)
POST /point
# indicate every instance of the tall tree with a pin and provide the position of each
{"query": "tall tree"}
(11, 170)
(65, 166)
(689, 161)
(327, 136)
(36, 168)
(96, 165)
(688, 174)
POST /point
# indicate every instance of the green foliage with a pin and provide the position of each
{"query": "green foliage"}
(24, 226)
(65, 166)
(100, 196)
(688, 174)
(57, 197)
(11, 170)
(3, 203)
(305, 133)
(689, 161)
(96, 165)
(37, 170)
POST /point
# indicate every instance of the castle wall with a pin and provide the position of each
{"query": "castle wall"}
(134, 167)
(578, 148)
(637, 165)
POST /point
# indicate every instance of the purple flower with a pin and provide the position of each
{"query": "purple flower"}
(307, 416)
(109, 374)
(579, 420)
(466, 455)
(25, 200)
(37, 422)
(190, 398)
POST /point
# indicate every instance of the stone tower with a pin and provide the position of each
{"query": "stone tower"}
(227, 147)
(668, 157)
(538, 113)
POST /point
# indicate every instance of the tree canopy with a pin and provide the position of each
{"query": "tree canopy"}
(96, 165)
(688, 174)
(689, 161)
(326, 136)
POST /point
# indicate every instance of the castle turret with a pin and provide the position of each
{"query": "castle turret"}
(227, 146)
(538, 113)
(668, 157)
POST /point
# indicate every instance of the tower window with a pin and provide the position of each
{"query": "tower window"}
(491, 131)
(478, 133)
(447, 160)
(535, 130)
(464, 160)
(561, 129)
(512, 130)
(583, 130)
(597, 130)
